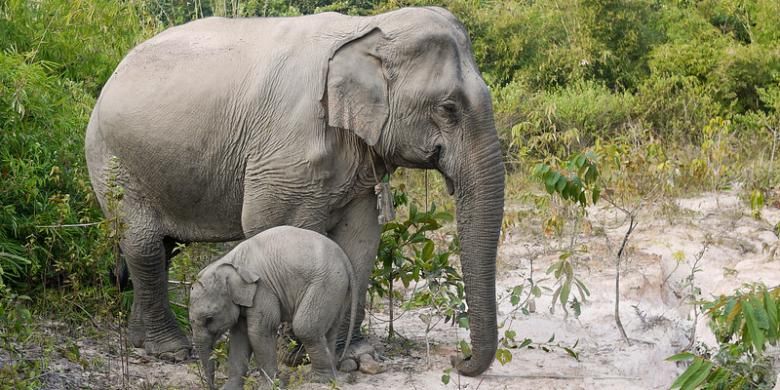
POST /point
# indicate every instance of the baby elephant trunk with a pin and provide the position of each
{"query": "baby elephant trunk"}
(204, 345)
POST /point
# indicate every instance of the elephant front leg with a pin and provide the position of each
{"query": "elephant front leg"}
(263, 320)
(238, 360)
(358, 234)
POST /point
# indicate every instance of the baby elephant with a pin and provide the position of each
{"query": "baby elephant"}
(282, 274)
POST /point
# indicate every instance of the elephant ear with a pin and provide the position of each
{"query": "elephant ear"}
(242, 284)
(241, 292)
(356, 88)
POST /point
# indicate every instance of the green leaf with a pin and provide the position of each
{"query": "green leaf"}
(536, 291)
(772, 317)
(756, 335)
(699, 376)
(551, 180)
(584, 292)
(427, 252)
(561, 183)
(465, 348)
(718, 378)
(514, 299)
(579, 162)
(525, 343)
(565, 289)
(596, 193)
(503, 356)
(541, 169)
(510, 334)
(680, 357)
(688, 373)
(445, 377)
(571, 353)
(463, 322)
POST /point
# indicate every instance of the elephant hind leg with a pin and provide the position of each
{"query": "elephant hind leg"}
(136, 329)
(152, 321)
(313, 321)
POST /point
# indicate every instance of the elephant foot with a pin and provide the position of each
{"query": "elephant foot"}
(233, 385)
(136, 332)
(322, 376)
(370, 366)
(348, 365)
(361, 356)
(359, 348)
(175, 350)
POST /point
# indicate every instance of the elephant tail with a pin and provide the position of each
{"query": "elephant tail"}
(353, 304)
(120, 274)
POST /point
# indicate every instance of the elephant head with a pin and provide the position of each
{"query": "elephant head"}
(216, 299)
(408, 86)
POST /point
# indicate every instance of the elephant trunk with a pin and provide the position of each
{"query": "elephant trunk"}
(204, 344)
(480, 209)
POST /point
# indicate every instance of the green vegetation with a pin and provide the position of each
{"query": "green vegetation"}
(659, 96)
(743, 324)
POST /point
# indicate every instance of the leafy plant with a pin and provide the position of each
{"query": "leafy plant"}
(744, 323)
(407, 255)
(576, 183)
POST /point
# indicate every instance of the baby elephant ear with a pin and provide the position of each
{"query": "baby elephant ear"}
(245, 265)
(241, 293)
(241, 283)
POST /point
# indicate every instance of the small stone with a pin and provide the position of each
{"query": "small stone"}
(348, 365)
(369, 366)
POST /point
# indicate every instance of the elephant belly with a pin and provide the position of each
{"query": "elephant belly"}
(193, 200)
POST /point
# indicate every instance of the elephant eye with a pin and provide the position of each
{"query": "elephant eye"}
(449, 111)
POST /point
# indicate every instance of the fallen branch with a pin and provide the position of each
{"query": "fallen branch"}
(631, 225)
(560, 377)
(68, 225)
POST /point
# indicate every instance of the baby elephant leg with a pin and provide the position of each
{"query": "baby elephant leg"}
(263, 319)
(311, 323)
(238, 360)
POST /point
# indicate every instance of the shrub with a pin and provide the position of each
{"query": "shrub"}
(743, 324)
(43, 178)
(81, 40)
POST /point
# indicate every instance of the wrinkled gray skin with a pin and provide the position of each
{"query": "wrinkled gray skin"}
(282, 274)
(226, 127)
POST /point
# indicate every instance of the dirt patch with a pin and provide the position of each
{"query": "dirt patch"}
(655, 312)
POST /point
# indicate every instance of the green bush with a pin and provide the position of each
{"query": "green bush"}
(43, 177)
(81, 40)
(744, 323)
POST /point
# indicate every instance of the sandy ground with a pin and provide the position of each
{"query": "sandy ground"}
(655, 311)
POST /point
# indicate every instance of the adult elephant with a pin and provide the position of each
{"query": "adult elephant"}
(221, 128)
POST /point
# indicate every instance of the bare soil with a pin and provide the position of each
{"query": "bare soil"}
(655, 309)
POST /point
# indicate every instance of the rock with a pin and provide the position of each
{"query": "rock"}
(348, 365)
(370, 366)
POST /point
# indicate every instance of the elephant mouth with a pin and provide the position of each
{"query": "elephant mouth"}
(436, 158)
(450, 185)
